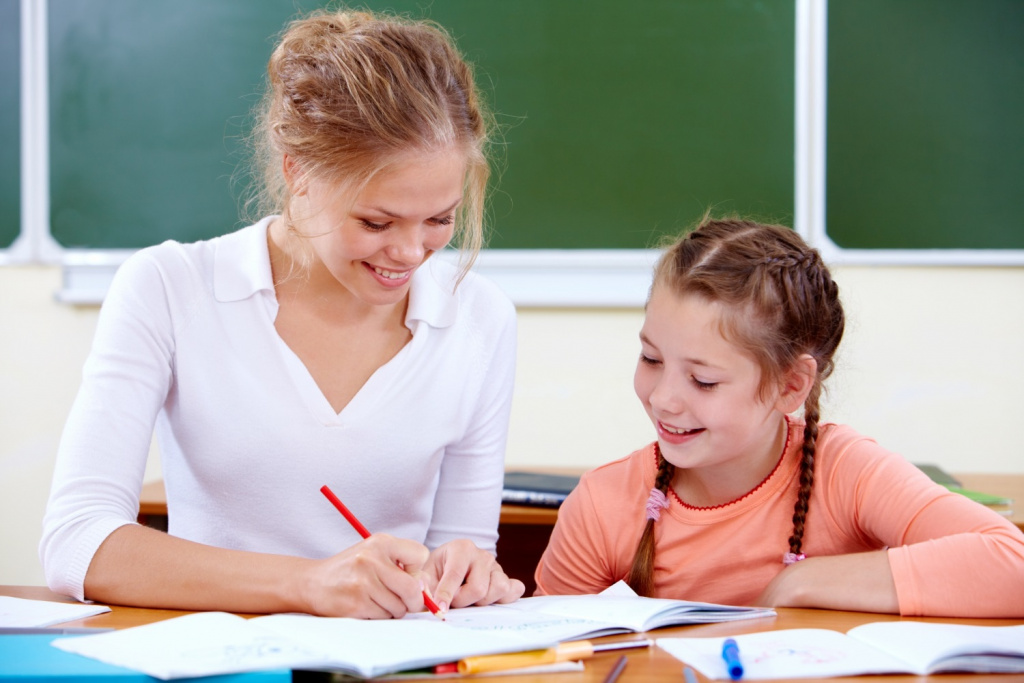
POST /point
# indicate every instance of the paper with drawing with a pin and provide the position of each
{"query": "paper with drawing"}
(875, 648)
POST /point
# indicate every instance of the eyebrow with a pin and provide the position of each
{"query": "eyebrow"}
(396, 215)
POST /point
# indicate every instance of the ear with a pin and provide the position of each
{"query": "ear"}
(797, 383)
(293, 177)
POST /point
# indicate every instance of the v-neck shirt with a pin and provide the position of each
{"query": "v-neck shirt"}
(186, 347)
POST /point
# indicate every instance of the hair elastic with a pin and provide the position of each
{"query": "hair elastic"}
(792, 558)
(656, 502)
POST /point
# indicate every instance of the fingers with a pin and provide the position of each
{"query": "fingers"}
(470, 576)
(371, 580)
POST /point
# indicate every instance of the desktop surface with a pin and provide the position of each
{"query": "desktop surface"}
(650, 665)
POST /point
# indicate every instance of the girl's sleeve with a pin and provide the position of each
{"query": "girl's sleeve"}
(468, 499)
(103, 450)
(950, 556)
(577, 559)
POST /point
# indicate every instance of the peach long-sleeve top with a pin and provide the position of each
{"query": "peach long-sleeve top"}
(949, 555)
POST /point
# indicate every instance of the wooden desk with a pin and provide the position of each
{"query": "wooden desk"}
(651, 665)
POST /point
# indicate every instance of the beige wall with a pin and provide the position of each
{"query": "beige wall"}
(932, 367)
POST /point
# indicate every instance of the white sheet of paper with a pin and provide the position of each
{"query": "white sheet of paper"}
(210, 643)
(792, 653)
(25, 613)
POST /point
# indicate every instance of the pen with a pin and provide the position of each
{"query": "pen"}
(563, 652)
(613, 675)
(31, 630)
(364, 532)
(731, 655)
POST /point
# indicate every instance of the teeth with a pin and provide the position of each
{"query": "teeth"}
(673, 430)
(389, 274)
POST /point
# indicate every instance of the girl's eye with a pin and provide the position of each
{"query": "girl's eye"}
(374, 227)
(705, 386)
(647, 360)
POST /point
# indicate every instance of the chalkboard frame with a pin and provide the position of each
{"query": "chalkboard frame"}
(532, 277)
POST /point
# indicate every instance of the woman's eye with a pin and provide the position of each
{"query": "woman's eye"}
(375, 227)
(444, 220)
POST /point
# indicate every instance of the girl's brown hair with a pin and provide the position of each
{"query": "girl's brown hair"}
(351, 92)
(779, 302)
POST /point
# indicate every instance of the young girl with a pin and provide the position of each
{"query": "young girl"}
(739, 501)
(322, 345)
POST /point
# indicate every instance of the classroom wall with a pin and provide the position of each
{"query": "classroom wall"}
(931, 366)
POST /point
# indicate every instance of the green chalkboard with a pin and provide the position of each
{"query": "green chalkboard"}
(622, 121)
(10, 130)
(926, 124)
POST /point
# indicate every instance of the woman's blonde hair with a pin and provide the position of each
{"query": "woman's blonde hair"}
(350, 93)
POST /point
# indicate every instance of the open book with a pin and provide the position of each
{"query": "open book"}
(217, 643)
(886, 647)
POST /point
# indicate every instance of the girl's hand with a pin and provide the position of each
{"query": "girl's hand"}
(378, 578)
(859, 582)
(467, 575)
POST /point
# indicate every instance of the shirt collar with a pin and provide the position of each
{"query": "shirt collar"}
(241, 265)
(242, 268)
(433, 298)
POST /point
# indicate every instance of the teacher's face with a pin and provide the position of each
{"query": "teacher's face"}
(374, 244)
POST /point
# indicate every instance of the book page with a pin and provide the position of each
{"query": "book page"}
(792, 653)
(210, 643)
(927, 645)
(28, 613)
(378, 646)
(201, 644)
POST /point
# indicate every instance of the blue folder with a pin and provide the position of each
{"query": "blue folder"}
(31, 659)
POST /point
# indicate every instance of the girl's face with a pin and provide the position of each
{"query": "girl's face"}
(374, 244)
(701, 391)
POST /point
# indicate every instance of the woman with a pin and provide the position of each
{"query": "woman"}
(321, 345)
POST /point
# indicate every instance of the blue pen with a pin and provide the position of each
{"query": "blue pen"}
(731, 655)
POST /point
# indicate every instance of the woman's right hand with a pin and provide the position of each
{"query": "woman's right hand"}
(377, 578)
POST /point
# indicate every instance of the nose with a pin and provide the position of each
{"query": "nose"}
(407, 247)
(666, 396)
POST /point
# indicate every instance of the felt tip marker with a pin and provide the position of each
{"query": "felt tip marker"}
(365, 533)
(731, 655)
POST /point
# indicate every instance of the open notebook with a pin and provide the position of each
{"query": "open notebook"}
(217, 643)
(885, 647)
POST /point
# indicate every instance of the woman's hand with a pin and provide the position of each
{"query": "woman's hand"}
(378, 578)
(466, 575)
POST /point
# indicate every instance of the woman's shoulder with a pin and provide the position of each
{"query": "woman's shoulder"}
(176, 262)
(443, 294)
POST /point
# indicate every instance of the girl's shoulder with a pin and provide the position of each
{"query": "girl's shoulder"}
(633, 473)
(845, 453)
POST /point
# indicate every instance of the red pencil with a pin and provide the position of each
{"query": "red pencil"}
(358, 526)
